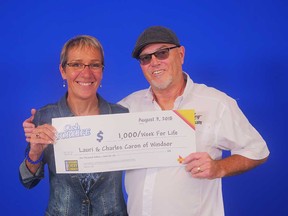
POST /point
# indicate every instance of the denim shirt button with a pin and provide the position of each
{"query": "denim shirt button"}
(87, 201)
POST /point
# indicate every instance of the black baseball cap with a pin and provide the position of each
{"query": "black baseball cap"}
(154, 34)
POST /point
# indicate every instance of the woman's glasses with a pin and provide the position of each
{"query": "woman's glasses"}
(161, 54)
(79, 67)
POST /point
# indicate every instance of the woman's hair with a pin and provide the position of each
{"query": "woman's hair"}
(79, 42)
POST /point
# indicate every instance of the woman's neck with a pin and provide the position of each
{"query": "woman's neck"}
(80, 107)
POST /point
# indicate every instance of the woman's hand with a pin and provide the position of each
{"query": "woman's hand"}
(40, 138)
(28, 125)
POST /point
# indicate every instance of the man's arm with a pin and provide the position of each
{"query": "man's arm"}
(201, 165)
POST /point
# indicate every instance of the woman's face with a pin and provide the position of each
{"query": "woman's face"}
(82, 84)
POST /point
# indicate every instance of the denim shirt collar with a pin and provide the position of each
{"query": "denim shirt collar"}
(65, 110)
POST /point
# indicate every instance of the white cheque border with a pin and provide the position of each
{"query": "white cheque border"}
(104, 143)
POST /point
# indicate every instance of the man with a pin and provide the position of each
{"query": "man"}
(195, 189)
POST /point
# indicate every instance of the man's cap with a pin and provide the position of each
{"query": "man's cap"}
(154, 34)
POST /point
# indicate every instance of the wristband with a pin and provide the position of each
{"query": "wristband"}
(30, 160)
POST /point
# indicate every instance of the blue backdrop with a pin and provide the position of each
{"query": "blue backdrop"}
(239, 47)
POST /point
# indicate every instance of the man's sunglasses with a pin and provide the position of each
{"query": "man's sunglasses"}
(161, 54)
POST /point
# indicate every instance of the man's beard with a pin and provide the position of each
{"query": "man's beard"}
(162, 85)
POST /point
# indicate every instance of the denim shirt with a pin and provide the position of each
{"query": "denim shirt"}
(67, 195)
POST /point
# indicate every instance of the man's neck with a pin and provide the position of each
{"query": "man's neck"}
(166, 97)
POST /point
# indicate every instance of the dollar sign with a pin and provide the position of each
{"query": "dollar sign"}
(99, 136)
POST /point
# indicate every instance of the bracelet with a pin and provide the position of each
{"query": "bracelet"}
(30, 160)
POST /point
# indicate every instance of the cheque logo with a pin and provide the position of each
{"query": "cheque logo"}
(180, 159)
(72, 131)
(71, 165)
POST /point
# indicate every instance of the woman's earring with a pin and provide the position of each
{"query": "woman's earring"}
(64, 83)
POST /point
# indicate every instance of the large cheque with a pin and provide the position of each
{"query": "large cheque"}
(102, 143)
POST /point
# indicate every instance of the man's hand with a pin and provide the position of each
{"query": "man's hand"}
(201, 165)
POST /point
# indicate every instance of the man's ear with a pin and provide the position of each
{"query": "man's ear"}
(182, 53)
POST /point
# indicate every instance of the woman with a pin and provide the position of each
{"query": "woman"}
(81, 65)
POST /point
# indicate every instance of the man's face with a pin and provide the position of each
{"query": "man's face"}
(165, 73)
